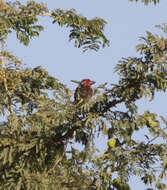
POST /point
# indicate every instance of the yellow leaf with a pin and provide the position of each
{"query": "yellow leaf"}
(111, 143)
(153, 124)
(117, 183)
(148, 118)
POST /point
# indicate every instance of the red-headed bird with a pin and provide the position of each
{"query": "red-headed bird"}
(84, 91)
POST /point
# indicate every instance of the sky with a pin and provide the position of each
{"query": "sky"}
(127, 21)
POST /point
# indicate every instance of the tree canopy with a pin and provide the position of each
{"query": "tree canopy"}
(47, 142)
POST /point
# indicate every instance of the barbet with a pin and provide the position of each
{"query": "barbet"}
(84, 91)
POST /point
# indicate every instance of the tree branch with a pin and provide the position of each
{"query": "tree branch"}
(5, 84)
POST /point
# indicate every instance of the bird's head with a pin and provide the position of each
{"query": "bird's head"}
(87, 82)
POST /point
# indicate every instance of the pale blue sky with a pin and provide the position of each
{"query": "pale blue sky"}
(127, 21)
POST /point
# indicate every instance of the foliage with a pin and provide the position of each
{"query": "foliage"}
(87, 33)
(23, 18)
(147, 2)
(40, 126)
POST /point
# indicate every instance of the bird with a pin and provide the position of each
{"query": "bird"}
(84, 91)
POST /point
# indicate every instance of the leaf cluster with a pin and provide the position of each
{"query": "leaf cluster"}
(146, 74)
(147, 2)
(21, 19)
(87, 34)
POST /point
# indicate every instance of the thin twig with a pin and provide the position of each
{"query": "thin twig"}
(155, 137)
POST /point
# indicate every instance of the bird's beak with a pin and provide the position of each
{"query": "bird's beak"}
(75, 81)
(92, 82)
